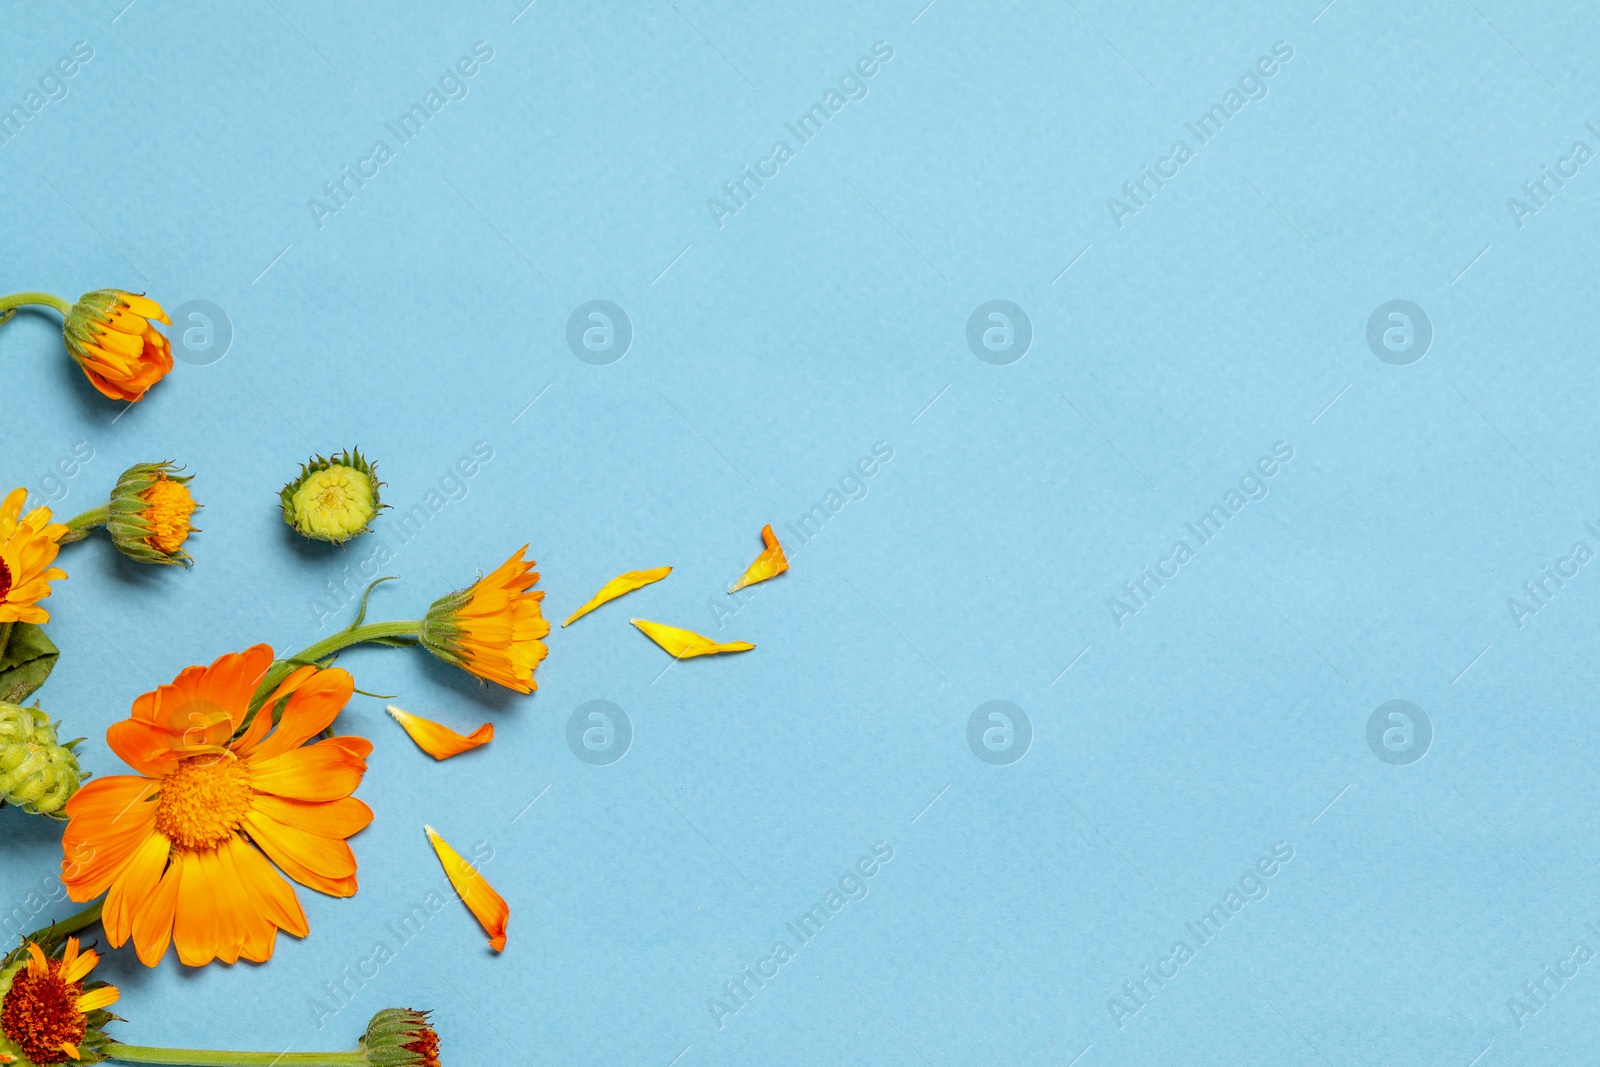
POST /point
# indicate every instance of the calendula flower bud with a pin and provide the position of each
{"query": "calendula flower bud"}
(148, 517)
(334, 498)
(400, 1037)
(493, 627)
(49, 1011)
(109, 335)
(36, 772)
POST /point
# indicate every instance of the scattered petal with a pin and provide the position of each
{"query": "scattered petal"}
(487, 906)
(769, 564)
(621, 585)
(685, 644)
(437, 740)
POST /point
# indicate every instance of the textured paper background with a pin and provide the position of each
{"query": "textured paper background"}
(769, 354)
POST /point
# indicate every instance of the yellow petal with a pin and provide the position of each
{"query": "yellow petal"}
(684, 644)
(439, 741)
(103, 997)
(487, 906)
(38, 964)
(618, 586)
(70, 1049)
(769, 564)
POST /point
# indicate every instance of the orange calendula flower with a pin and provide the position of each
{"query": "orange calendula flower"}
(109, 335)
(184, 850)
(621, 585)
(28, 545)
(769, 564)
(149, 516)
(686, 644)
(437, 740)
(47, 1013)
(487, 906)
(493, 627)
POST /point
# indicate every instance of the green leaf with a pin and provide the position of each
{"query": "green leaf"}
(26, 661)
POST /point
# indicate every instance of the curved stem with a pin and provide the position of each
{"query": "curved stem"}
(208, 1058)
(353, 635)
(78, 526)
(70, 925)
(16, 300)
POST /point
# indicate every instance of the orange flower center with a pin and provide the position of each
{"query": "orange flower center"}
(204, 801)
(169, 506)
(40, 1015)
(5, 579)
(426, 1045)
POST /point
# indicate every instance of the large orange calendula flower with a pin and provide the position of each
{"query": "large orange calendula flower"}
(493, 627)
(28, 545)
(109, 335)
(46, 1012)
(178, 848)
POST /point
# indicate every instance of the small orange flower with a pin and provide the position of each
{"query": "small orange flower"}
(437, 740)
(686, 644)
(46, 1011)
(28, 545)
(487, 906)
(109, 335)
(621, 585)
(493, 627)
(769, 564)
(180, 846)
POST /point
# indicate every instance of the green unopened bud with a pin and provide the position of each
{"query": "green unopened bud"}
(334, 498)
(400, 1037)
(36, 772)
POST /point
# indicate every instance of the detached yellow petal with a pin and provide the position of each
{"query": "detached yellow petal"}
(621, 585)
(769, 564)
(437, 740)
(685, 644)
(487, 906)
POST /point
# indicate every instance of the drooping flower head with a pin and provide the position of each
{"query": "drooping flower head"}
(48, 1012)
(37, 773)
(493, 627)
(185, 849)
(334, 498)
(150, 513)
(28, 545)
(109, 335)
(401, 1037)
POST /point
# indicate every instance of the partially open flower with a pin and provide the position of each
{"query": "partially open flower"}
(28, 545)
(148, 516)
(401, 1037)
(48, 1012)
(492, 628)
(334, 498)
(37, 773)
(109, 335)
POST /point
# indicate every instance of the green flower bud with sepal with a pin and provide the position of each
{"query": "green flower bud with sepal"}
(334, 498)
(37, 773)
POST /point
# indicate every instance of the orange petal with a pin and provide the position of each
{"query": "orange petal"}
(620, 585)
(324, 771)
(438, 741)
(134, 887)
(685, 644)
(333, 818)
(152, 924)
(487, 906)
(769, 564)
(312, 707)
(275, 898)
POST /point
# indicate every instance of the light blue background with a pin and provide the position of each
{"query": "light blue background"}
(1229, 314)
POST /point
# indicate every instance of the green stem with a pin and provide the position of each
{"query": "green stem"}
(78, 526)
(207, 1058)
(16, 300)
(70, 925)
(354, 635)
